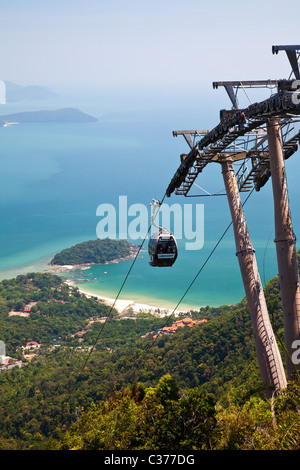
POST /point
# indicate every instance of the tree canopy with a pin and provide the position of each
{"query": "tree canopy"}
(98, 251)
(99, 382)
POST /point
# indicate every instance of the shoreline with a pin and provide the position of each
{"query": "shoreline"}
(123, 306)
(126, 306)
(7, 124)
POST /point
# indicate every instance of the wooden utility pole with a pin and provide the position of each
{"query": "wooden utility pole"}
(285, 245)
(269, 359)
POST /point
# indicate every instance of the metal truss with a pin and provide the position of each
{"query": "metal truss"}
(256, 139)
(241, 133)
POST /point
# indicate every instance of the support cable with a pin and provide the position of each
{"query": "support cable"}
(116, 298)
(199, 271)
(178, 303)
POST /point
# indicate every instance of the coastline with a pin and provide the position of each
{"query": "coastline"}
(123, 306)
(126, 306)
(134, 249)
(7, 124)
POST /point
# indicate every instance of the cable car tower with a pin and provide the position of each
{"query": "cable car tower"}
(256, 139)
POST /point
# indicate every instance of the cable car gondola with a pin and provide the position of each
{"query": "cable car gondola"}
(162, 249)
(162, 245)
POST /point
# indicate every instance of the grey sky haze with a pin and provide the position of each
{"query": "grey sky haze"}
(135, 43)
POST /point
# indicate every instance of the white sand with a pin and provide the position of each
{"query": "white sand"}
(10, 124)
(122, 305)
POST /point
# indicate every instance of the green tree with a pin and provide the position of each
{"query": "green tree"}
(167, 389)
(128, 421)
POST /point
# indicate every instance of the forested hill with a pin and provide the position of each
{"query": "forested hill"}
(98, 251)
(196, 389)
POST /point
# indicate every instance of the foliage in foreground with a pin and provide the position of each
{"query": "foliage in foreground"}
(213, 399)
(152, 418)
(167, 418)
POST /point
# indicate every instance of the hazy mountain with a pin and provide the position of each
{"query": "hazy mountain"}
(15, 92)
(58, 115)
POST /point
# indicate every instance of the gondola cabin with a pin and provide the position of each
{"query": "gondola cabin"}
(162, 249)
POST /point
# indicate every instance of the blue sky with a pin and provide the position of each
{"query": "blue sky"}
(165, 44)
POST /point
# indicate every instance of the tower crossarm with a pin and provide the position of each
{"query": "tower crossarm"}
(293, 55)
(217, 143)
(255, 169)
(234, 125)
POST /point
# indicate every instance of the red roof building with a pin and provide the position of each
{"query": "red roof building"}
(32, 344)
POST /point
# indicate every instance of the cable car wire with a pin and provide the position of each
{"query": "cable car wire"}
(149, 346)
(117, 296)
(196, 276)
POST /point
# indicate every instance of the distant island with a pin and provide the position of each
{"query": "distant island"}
(58, 115)
(15, 92)
(100, 251)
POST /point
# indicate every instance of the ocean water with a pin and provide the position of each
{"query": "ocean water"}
(54, 176)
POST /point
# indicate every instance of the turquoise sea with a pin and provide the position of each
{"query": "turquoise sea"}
(54, 176)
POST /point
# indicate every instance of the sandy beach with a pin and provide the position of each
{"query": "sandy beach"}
(10, 124)
(125, 307)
